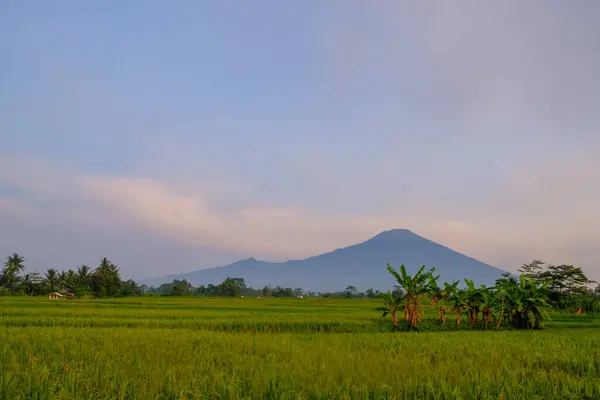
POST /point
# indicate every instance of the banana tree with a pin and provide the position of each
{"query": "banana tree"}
(501, 306)
(527, 303)
(439, 296)
(422, 283)
(490, 303)
(436, 295)
(390, 306)
(459, 301)
(473, 299)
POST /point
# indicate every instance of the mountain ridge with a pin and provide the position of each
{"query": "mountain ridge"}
(361, 265)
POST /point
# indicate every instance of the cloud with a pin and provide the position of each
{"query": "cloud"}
(546, 211)
(189, 217)
(49, 240)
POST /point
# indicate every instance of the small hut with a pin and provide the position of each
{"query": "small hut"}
(55, 296)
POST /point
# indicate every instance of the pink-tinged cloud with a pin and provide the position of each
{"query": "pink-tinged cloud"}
(545, 211)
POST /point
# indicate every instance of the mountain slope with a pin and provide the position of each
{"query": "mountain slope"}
(361, 265)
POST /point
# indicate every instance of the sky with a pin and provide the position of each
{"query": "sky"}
(175, 136)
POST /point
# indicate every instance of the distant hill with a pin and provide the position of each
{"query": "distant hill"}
(361, 265)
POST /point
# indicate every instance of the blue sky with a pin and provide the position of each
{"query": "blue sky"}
(175, 136)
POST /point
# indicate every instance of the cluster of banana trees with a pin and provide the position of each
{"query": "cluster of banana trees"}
(415, 289)
(520, 301)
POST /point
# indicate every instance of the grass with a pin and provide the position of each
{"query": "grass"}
(280, 349)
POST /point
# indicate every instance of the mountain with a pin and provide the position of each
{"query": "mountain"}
(361, 265)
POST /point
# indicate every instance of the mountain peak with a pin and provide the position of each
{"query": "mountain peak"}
(250, 260)
(394, 234)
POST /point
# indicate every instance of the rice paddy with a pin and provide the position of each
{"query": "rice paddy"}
(193, 348)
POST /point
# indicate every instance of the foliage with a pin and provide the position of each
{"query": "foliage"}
(533, 269)
(565, 279)
(458, 300)
(525, 301)
(12, 267)
(232, 287)
(180, 288)
(390, 306)
(440, 296)
(32, 283)
(51, 279)
(422, 283)
(564, 287)
(567, 284)
(104, 281)
(350, 291)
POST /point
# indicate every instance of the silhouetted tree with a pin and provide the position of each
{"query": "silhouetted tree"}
(10, 274)
(51, 279)
(181, 288)
(532, 270)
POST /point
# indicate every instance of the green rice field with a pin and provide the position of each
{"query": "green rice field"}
(194, 348)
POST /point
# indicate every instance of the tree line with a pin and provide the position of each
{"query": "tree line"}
(102, 281)
(563, 286)
(230, 287)
(235, 287)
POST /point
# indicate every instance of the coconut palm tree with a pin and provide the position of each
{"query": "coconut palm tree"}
(12, 267)
(106, 279)
(70, 280)
(51, 279)
(31, 283)
(15, 263)
(105, 264)
(62, 280)
(83, 274)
